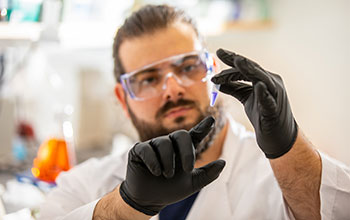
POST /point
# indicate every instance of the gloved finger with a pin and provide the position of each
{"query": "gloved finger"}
(185, 150)
(226, 56)
(239, 90)
(228, 75)
(267, 104)
(163, 147)
(201, 130)
(146, 154)
(255, 73)
(206, 174)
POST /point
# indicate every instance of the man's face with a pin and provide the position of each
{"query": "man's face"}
(177, 106)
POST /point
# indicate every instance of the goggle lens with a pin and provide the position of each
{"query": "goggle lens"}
(150, 81)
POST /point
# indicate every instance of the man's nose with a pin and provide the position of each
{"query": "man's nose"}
(173, 90)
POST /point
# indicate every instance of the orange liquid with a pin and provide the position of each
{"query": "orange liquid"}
(52, 158)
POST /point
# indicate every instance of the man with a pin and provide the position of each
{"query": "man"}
(206, 171)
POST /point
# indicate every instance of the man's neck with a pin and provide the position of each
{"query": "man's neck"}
(214, 151)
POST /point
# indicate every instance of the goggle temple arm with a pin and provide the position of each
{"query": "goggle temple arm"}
(210, 65)
(125, 85)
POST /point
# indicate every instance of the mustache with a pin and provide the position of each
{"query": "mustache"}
(170, 104)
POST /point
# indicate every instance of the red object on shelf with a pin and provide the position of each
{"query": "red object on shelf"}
(25, 130)
(52, 158)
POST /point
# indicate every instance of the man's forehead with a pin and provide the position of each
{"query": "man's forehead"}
(173, 40)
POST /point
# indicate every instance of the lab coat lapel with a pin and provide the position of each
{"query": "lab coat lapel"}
(213, 201)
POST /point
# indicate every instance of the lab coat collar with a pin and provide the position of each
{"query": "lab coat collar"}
(208, 197)
(230, 150)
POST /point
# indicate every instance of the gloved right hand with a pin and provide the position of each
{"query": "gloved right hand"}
(161, 171)
(265, 102)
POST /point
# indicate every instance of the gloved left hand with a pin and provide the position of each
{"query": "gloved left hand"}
(161, 171)
(265, 102)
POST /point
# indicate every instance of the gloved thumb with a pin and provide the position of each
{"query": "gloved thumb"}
(206, 174)
(267, 104)
(201, 130)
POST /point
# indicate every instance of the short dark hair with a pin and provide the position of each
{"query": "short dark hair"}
(146, 20)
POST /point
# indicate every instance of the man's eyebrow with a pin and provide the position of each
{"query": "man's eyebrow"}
(190, 56)
(149, 69)
(152, 69)
(194, 56)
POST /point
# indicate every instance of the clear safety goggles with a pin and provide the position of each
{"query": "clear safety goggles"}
(151, 80)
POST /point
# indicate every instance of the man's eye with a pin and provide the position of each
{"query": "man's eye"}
(148, 81)
(188, 68)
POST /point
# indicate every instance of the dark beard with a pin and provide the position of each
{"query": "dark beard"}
(148, 131)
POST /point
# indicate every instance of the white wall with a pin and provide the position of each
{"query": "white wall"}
(309, 47)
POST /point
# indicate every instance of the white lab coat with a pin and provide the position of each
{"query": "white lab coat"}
(246, 189)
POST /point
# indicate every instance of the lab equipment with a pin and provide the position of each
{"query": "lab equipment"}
(52, 158)
(213, 93)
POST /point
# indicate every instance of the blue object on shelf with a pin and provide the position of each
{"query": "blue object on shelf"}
(27, 177)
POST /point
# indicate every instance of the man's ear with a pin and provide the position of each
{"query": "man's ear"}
(121, 96)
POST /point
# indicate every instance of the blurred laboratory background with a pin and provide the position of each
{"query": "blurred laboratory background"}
(57, 105)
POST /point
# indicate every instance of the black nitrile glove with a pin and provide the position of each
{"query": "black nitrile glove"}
(265, 102)
(161, 171)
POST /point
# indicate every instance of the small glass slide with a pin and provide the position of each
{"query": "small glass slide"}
(213, 93)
